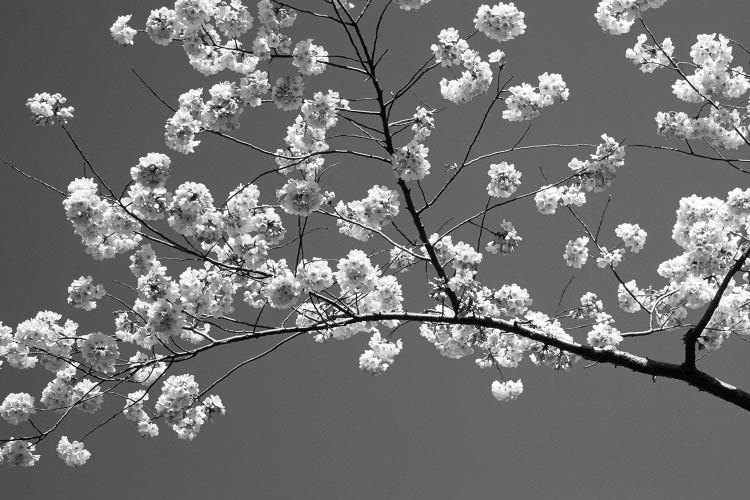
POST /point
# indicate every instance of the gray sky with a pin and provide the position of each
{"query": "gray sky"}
(305, 422)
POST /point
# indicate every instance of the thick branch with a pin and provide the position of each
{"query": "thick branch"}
(640, 364)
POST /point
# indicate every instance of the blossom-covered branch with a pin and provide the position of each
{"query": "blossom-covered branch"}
(193, 254)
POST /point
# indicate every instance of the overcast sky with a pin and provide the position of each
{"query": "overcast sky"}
(306, 422)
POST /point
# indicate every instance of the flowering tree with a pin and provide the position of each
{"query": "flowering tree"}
(239, 245)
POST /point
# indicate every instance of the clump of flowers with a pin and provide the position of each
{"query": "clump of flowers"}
(504, 180)
(616, 17)
(49, 109)
(381, 354)
(83, 293)
(649, 57)
(501, 22)
(577, 252)
(525, 101)
(73, 454)
(507, 390)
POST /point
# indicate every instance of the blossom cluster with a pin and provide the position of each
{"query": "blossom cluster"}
(380, 355)
(18, 453)
(507, 390)
(450, 48)
(177, 405)
(475, 80)
(308, 58)
(711, 232)
(147, 197)
(410, 162)
(210, 31)
(504, 180)
(632, 237)
(105, 227)
(595, 174)
(17, 408)
(190, 22)
(360, 217)
(40, 339)
(411, 4)
(526, 101)
(307, 136)
(649, 57)
(576, 252)
(501, 22)
(603, 334)
(714, 79)
(73, 454)
(48, 109)
(616, 17)
(83, 293)
(505, 241)
(721, 128)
